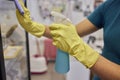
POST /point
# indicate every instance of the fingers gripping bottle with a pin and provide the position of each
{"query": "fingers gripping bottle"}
(62, 58)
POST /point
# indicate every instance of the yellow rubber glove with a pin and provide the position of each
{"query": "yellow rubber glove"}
(66, 38)
(25, 21)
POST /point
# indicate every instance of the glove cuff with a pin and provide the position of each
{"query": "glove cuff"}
(86, 55)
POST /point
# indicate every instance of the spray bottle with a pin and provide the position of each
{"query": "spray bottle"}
(62, 58)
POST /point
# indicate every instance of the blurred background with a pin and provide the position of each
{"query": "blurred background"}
(16, 44)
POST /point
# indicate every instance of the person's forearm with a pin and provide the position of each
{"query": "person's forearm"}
(85, 27)
(47, 32)
(106, 70)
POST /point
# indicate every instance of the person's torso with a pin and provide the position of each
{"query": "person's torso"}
(108, 17)
(111, 48)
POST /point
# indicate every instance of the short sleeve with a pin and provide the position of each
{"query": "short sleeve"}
(96, 17)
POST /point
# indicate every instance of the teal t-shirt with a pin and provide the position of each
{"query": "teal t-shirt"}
(107, 16)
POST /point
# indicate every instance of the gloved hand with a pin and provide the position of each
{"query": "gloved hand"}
(66, 38)
(25, 21)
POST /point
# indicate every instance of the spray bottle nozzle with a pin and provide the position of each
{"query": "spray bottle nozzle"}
(59, 18)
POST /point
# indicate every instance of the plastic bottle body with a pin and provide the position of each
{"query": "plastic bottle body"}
(62, 62)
